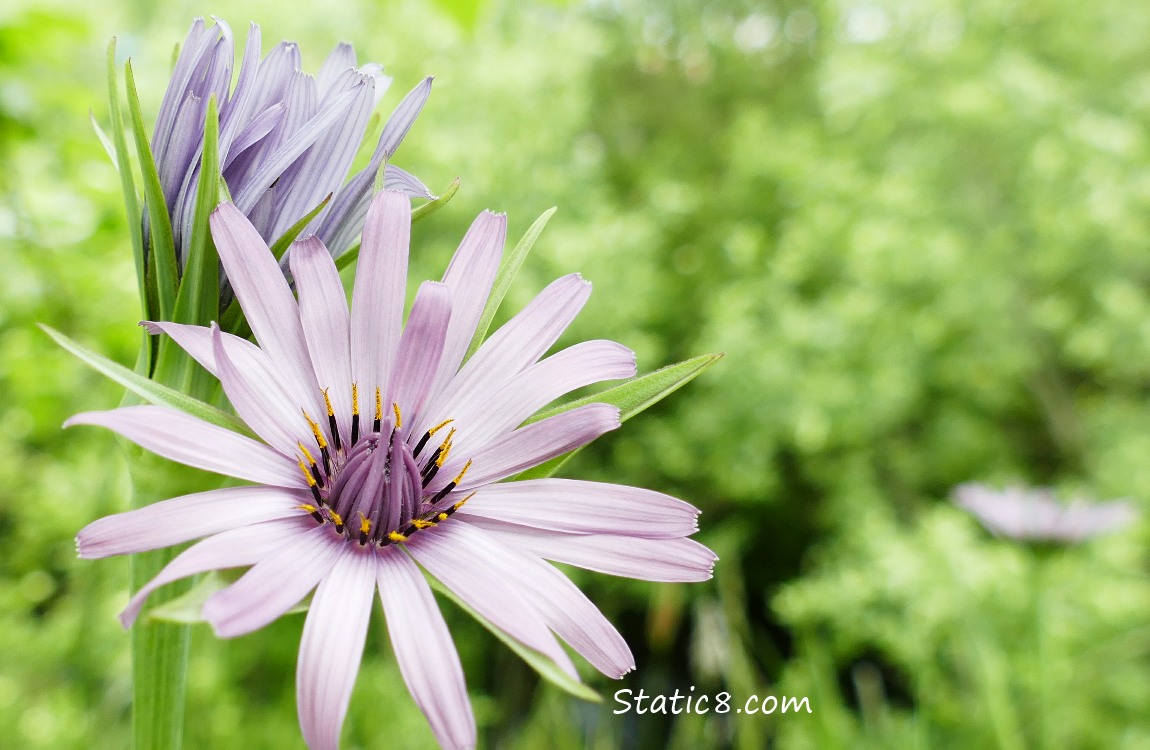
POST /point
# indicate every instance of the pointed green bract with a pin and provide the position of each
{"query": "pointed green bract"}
(427, 209)
(162, 265)
(149, 390)
(105, 141)
(197, 301)
(630, 397)
(188, 608)
(280, 246)
(546, 668)
(507, 271)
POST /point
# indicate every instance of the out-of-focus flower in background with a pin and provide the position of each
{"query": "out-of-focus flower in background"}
(286, 138)
(1034, 515)
(383, 446)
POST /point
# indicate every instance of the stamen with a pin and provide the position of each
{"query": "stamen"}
(427, 436)
(450, 511)
(364, 529)
(395, 536)
(331, 419)
(354, 413)
(337, 520)
(314, 511)
(314, 469)
(420, 523)
(398, 416)
(450, 485)
(378, 410)
(311, 482)
(320, 440)
(446, 448)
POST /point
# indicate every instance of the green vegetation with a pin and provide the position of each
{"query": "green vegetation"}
(919, 231)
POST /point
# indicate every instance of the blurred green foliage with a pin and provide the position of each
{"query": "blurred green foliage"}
(920, 232)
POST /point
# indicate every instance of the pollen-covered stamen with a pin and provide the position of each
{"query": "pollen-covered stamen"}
(364, 529)
(314, 511)
(320, 441)
(378, 411)
(447, 488)
(315, 472)
(436, 459)
(331, 420)
(427, 436)
(354, 413)
(311, 483)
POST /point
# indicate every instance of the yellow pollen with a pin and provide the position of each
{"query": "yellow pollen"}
(378, 405)
(354, 400)
(398, 416)
(419, 523)
(335, 517)
(320, 440)
(327, 402)
(459, 505)
(307, 474)
(364, 524)
(463, 471)
(395, 536)
(439, 426)
(308, 507)
(442, 516)
(445, 448)
(306, 453)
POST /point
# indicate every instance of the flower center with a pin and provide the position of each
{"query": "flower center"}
(374, 487)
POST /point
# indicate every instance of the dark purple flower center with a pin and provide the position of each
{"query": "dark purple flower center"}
(375, 488)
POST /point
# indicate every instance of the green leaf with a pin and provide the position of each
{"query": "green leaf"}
(511, 265)
(188, 608)
(105, 141)
(427, 209)
(149, 390)
(546, 668)
(630, 397)
(280, 246)
(162, 263)
(128, 187)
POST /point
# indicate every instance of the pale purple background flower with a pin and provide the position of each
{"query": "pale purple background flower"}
(1034, 515)
(287, 139)
(382, 454)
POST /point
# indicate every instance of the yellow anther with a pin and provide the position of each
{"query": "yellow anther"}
(364, 524)
(459, 505)
(307, 474)
(320, 440)
(306, 453)
(378, 405)
(308, 507)
(462, 471)
(327, 402)
(398, 416)
(445, 448)
(419, 523)
(336, 518)
(442, 517)
(354, 400)
(439, 426)
(395, 536)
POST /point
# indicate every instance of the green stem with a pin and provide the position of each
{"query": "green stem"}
(159, 649)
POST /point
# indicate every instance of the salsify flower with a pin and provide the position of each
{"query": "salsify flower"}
(286, 139)
(1034, 515)
(381, 452)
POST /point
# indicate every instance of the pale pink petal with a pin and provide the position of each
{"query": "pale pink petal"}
(183, 438)
(461, 557)
(531, 445)
(420, 347)
(331, 647)
(323, 310)
(631, 557)
(424, 649)
(379, 293)
(516, 345)
(577, 507)
(470, 275)
(235, 548)
(263, 293)
(564, 608)
(587, 363)
(182, 519)
(276, 421)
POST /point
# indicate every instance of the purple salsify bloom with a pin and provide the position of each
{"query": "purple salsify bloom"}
(382, 452)
(1033, 515)
(286, 139)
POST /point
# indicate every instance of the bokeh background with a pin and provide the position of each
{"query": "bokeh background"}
(919, 230)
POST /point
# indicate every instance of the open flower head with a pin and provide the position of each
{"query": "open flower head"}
(381, 452)
(286, 139)
(1033, 515)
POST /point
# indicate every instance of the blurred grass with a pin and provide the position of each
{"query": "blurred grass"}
(919, 232)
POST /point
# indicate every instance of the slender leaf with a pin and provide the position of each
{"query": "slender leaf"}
(162, 247)
(105, 141)
(128, 187)
(197, 301)
(280, 246)
(507, 271)
(546, 668)
(427, 209)
(630, 397)
(149, 390)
